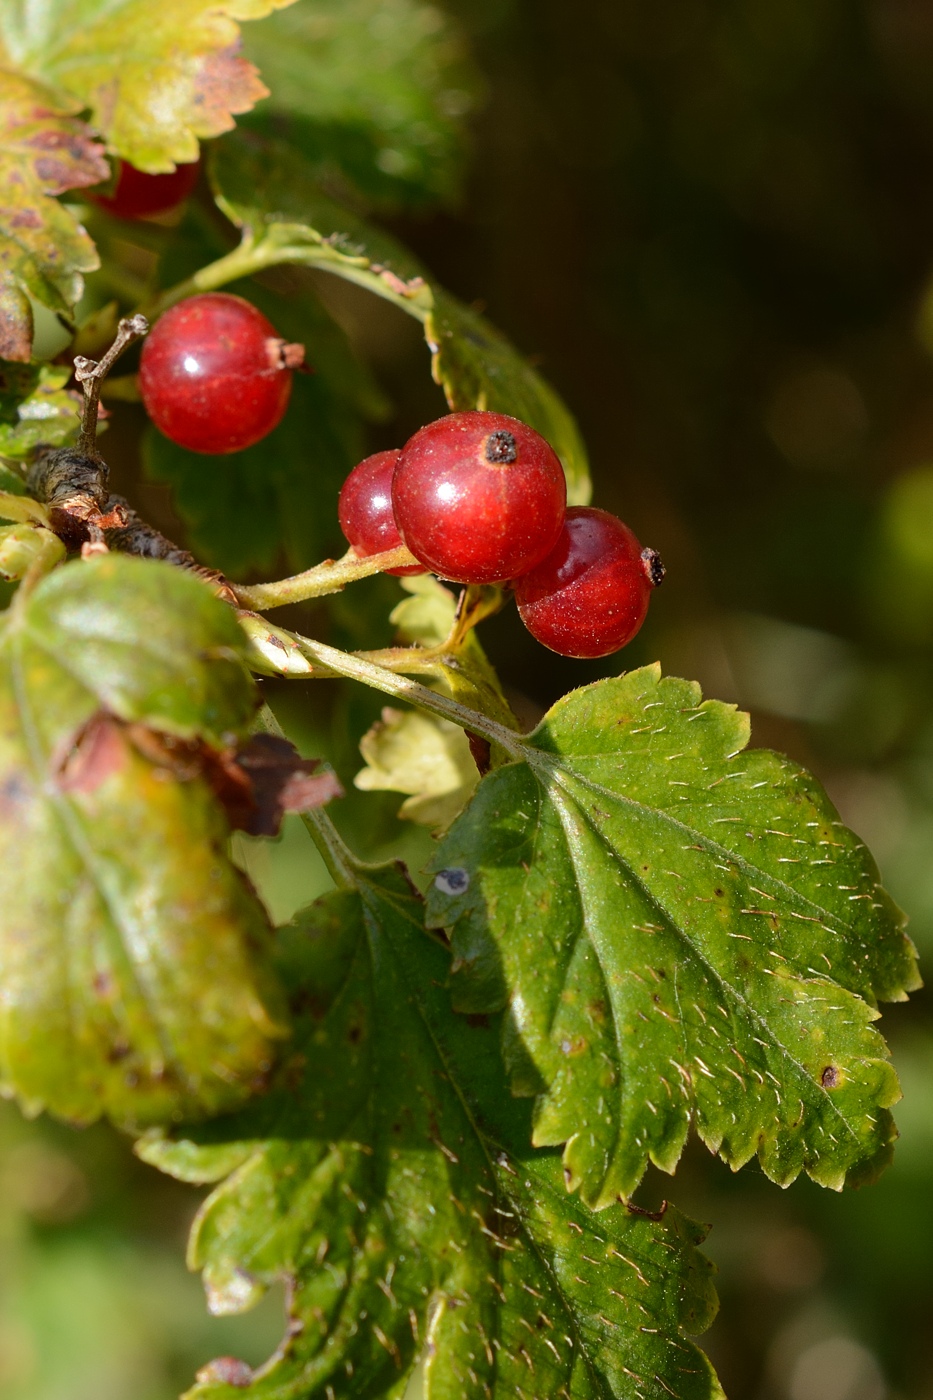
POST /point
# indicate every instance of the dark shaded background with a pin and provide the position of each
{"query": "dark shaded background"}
(713, 225)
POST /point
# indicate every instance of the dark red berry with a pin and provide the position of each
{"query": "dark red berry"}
(365, 508)
(479, 497)
(590, 595)
(137, 194)
(214, 376)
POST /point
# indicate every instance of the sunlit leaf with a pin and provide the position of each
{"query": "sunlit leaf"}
(156, 75)
(268, 190)
(682, 931)
(132, 954)
(374, 93)
(44, 151)
(389, 1179)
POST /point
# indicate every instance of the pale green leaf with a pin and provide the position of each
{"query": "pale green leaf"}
(429, 758)
(268, 190)
(388, 1178)
(682, 931)
(44, 151)
(132, 954)
(156, 75)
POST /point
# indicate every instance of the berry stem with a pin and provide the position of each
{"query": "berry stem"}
(281, 653)
(330, 577)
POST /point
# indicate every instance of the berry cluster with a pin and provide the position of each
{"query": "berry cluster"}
(481, 498)
(476, 497)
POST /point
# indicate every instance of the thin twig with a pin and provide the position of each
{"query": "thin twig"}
(90, 374)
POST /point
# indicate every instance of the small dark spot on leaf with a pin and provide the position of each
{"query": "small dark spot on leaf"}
(718, 893)
(355, 1035)
(478, 1020)
(830, 1077)
(453, 881)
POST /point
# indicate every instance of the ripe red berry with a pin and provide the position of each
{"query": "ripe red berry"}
(137, 194)
(365, 508)
(214, 376)
(479, 497)
(590, 595)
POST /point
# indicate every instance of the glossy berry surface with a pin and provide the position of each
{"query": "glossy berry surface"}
(365, 508)
(213, 374)
(137, 194)
(479, 497)
(590, 595)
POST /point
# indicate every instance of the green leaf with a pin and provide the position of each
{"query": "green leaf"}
(43, 249)
(245, 510)
(428, 758)
(148, 642)
(373, 91)
(36, 407)
(389, 1179)
(156, 75)
(132, 953)
(268, 190)
(682, 931)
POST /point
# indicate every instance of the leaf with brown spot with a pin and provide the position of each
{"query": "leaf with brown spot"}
(134, 976)
(44, 151)
(156, 75)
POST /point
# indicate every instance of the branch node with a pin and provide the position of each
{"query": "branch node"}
(90, 374)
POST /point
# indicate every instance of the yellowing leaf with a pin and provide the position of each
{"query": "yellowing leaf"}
(133, 979)
(44, 151)
(427, 757)
(157, 75)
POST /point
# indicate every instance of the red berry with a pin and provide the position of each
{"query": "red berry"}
(137, 194)
(214, 376)
(590, 595)
(365, 508)
(479, 497)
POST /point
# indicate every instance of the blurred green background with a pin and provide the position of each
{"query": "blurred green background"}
(711, 222)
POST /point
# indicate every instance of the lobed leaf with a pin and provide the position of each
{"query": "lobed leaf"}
(389, 1180)
(156, 75)
(374, 93)
(682, 931)
(44, 151)
(132, 953)
(267, 189)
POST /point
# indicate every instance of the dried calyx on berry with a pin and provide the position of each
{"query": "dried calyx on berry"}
(478, 497)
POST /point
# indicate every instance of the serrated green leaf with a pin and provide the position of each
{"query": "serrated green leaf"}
(373, 92)
(268, 190)
(246, 510)
(36, 407)
(683, 931)
(44, 151)
(132, 954)
(389, 1179)
(156, 75)
(429, 758)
